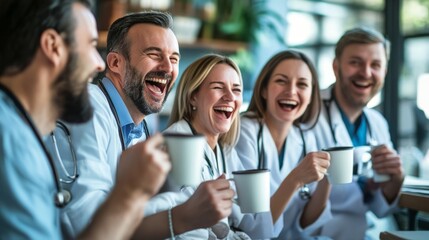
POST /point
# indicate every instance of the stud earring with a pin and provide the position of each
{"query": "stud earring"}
(194, 108)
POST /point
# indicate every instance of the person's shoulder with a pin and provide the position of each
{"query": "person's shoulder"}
(93, 88)
(230, 152)
(180, 126)
(96, 95)
(377, 121)
(99, 102)
(326, 93)
(17, 142)
(309, 135)
(249, 120)
(295, 133)
(11, 124)
(374, 115)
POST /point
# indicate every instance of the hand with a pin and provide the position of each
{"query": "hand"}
(386, 161)
(313, 167)
(144, 167)
(211, 202)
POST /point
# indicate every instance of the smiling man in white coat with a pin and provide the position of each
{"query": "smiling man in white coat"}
(360, 66)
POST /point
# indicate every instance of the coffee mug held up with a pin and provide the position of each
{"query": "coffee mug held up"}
(340, 170)
(363, 159)
(253, 190)
(377, 177)
(186, 153)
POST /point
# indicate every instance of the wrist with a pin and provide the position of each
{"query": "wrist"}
(293, 182)
(180, 221)
(128, 198)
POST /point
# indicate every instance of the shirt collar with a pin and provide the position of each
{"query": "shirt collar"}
(357, 131)
(129, 129)
(118, 103)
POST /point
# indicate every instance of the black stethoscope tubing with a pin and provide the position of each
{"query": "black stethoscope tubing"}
(62, 197)
(70, 177)
(327, 104)
(115, 114)
(304, 191)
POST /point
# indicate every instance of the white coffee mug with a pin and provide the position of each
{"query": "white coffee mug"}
(186, 154)
(362, 159)
(377, 177)
(340, 170)
(253, 190)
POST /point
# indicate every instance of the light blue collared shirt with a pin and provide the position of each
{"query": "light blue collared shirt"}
(130, 131)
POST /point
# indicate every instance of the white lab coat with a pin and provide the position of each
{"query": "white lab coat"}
(247, 149)
(97, 146)
(347, 206)
(257, 226)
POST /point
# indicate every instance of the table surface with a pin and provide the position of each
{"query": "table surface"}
(402, 235)
(415, 201)
(415, 194)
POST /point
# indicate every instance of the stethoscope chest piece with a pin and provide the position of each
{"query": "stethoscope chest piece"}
(304, 192)
(62, 198)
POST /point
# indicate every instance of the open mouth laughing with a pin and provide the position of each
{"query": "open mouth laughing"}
(361, 85)
(157, 82)
(227, 111)
(288, 104)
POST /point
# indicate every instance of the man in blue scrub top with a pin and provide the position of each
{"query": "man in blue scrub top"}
(48, 55)
(360, 67)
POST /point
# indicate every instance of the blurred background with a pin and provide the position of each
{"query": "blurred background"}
(251, 31)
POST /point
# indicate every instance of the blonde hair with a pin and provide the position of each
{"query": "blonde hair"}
(190, 82)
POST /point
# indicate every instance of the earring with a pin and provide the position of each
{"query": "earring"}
(194, 108)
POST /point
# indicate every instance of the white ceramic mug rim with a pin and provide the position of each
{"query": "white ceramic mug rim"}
(250, 171)
(334, 149)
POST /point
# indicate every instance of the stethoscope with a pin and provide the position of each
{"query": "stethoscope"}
(304, 191)
(327, 103)
(62, 197)
(210, 166)
(115, 114)
(70, 178)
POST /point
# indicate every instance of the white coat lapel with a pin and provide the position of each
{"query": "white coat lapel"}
(340, 130)
(293, 153)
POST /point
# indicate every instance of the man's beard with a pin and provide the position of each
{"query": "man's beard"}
(134, 88)
(72, 97)
(351, 100)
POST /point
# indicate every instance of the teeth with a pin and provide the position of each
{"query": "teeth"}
(362, 84)
(288, 102)
(157, 80)
(225, 109)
